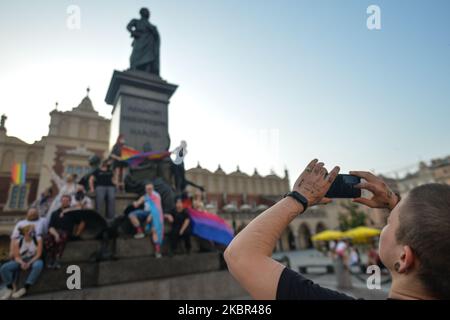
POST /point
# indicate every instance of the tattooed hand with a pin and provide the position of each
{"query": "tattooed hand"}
(314, 182)
(383, 197)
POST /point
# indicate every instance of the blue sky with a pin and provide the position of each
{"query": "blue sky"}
(266, 84)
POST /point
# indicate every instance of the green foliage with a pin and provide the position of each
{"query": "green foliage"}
(351, 217)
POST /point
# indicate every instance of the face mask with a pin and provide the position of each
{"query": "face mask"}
(79, 195)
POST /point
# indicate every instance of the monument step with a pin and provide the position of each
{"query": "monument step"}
(81, 251)
(95, 274)
(146, 268)
(208, 285)
(131, 248)
(56, 279)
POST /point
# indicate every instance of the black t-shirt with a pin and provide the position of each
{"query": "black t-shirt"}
(293, 286)
(178, 219)
(66, 223)
(103, 178)
(117, 150)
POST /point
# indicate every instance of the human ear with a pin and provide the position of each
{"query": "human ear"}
(406, 261)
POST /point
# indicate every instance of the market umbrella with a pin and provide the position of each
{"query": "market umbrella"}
(362, 233)
(328, 235)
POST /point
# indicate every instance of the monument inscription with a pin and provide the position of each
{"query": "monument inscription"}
(144, 123)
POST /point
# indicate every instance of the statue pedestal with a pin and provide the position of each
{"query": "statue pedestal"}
(140, 109)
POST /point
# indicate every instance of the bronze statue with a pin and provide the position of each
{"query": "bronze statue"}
(2, 121)
(146, 43)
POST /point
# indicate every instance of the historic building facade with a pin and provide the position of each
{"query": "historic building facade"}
(238, 191)
(436, 171)
(73, 136)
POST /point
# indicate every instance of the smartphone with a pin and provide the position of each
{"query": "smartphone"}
(343, 187)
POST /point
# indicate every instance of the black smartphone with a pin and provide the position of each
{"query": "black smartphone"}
(343, 187)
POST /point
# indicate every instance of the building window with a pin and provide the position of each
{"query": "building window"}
(78, 170)
(17, 197)
(7, 161)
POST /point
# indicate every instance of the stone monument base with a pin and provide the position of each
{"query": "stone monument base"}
(140, 109)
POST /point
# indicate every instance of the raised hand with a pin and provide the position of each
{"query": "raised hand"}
(314, 182)
(383, 197)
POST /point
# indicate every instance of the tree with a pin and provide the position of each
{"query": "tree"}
(352, 217)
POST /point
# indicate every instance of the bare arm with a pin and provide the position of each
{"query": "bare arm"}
(16, 252)
(80, 228)
(249, 256)
(54, 233)
(186, 223)
(91, 183)
(38, 254)
(139, 202)
(168, 217)
(115, 157)
(57, 179)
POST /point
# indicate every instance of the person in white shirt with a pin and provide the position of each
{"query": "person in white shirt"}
(65, 186)
(80, 200)
(32, 218)
(27, 255)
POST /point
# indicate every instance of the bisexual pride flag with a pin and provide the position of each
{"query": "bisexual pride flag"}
(209, 226)
(136, 159)
(19, 173)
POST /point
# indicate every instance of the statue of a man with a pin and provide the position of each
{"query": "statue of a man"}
(146, 43)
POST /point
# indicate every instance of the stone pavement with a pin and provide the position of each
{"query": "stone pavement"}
(313, 257)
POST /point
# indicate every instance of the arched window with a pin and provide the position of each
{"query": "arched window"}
(320, 227)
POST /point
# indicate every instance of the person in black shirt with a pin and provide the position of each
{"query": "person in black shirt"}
(62, 226)
(101, 181)
(180, 220)
(414, 245)
(119, 166)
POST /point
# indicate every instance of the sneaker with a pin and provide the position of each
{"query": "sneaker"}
(139, 235)
(51, 265)
(57, 265)
(158, 255)
(7, 294)
(19, 294)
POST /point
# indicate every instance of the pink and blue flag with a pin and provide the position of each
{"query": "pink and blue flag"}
(209, 226)
(136, 159)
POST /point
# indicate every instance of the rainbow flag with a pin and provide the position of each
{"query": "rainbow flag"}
(209, 226)
(19, 173)
(128, 152)
(152, 155)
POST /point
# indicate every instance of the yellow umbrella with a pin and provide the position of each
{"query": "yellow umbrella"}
(328, 235)
(361, 233)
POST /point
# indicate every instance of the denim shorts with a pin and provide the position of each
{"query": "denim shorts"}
(140, 214)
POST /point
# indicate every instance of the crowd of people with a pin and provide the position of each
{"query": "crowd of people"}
(57, 217)
(350, 255)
